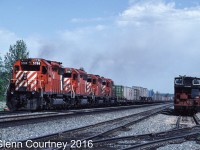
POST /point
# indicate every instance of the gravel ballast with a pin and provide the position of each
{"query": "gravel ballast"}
(154, 124)
(190, 145)
(198, 114)
(24, 132)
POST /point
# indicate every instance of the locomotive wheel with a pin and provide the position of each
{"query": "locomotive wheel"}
(32, 104)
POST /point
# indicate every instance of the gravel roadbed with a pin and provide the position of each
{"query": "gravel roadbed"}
(154, 124)
(189, 145)
(198, 114)
(24, 132)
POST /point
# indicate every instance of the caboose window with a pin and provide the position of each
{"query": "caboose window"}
(178, 81)
(30, 67)
(196, 82)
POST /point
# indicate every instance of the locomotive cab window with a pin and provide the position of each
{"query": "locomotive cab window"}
(89, 79)
(67, 75)
(103, 83)
(85, 77)
(30, 67)
(74, 76)
(61, 71)
(196, 82)
(94, 81)
(44, 70)
(16, 68)
(55, 69)
(178, 81)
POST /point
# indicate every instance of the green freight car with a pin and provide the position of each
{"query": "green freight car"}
(125, 93)
(118, 91)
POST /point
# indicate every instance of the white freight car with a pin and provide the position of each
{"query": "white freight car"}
(129, 93)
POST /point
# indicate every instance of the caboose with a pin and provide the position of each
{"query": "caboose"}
(186, 94)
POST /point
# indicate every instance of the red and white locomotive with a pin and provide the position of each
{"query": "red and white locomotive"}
(186, 94)
(44, 84)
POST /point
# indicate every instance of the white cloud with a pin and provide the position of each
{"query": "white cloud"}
(148, 44)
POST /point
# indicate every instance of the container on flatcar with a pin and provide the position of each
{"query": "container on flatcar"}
(128, 93)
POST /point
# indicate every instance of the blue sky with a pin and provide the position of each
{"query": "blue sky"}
(49, 16)
(134, 42)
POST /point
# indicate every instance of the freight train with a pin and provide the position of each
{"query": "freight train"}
(186, 94)
(43, 84)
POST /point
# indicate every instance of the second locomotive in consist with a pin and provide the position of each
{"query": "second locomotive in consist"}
(186, 94)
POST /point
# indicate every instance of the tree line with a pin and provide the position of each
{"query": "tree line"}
(16, 51)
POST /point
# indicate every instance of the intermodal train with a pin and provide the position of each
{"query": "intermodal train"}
(44, 84)
(186, 94)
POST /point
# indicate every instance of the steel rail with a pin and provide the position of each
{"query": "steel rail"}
(8, 120)
(78, 132)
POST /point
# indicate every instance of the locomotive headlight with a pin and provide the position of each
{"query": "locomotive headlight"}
(33, 92)
(12, 92)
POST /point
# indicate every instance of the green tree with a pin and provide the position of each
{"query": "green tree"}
(2, 80)
(16, 51)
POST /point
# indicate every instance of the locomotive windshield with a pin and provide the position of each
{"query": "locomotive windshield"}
(89, 79)
(30, 67)
(178, 81)
(104, 83)
(94, 81)
(67, 75)
(196, 82)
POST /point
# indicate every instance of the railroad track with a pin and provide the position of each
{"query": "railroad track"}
(13, 119)
(147, 141)
(152, 140)
(100, 130)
